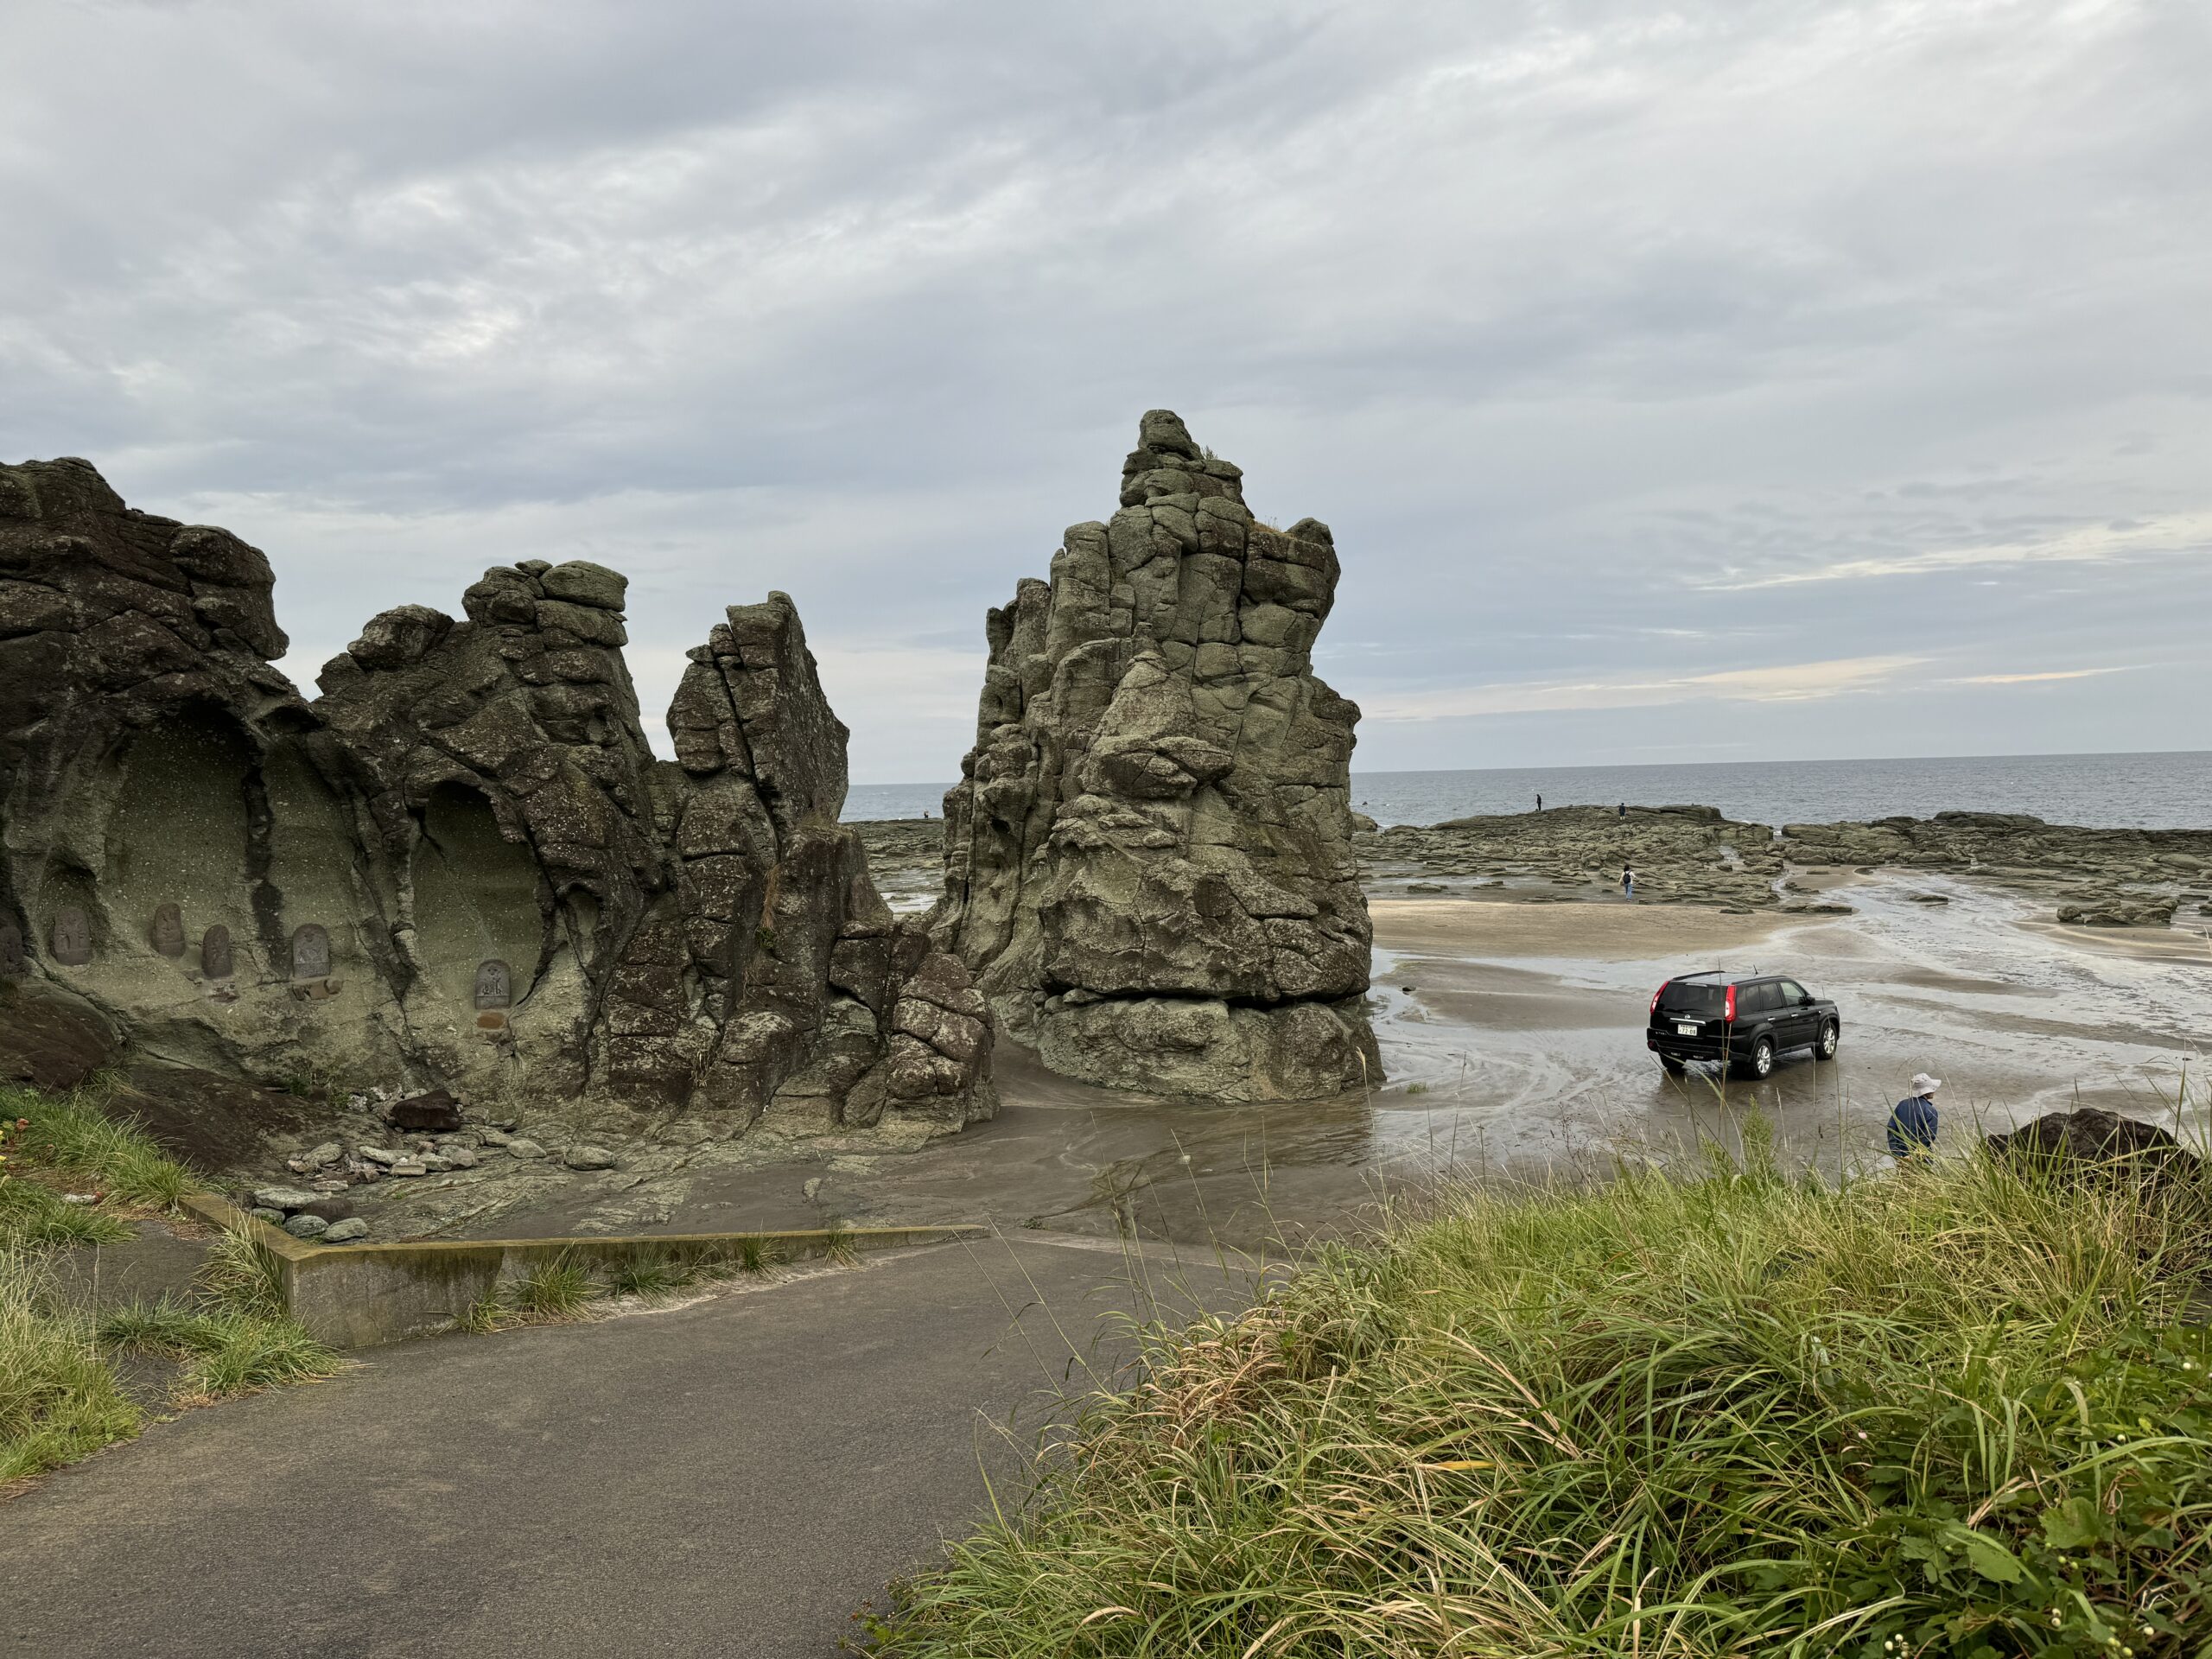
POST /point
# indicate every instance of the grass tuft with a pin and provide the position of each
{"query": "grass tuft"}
(554, 1290)
(59, 1398)
(1957, 1413)
(649, 1276)
(72, 1136)
(32, 1215)
(238, 1352)
(245, 1274)
(548, 1292)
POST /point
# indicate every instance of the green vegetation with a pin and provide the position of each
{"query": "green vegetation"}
(1959, 1413)
(59, 1395)
(649, 1276)
(72, 1136)
(33, 1215)
(59, 1398)
(563, 1289)
(244, 1273)
(554, 1290)
(227, 1350)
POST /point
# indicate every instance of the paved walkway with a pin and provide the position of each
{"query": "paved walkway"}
(728, 1478)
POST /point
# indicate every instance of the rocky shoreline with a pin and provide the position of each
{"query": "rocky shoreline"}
(1693, 855)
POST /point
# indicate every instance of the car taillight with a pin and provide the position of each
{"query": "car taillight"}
(1656, 994)
(1728, 1012)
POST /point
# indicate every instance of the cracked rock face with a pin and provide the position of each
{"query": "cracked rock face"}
(462, 864)
(1148, 859)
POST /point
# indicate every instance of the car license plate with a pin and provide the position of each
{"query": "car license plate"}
(1685, 1031)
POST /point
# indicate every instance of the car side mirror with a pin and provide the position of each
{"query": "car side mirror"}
(1804, 999)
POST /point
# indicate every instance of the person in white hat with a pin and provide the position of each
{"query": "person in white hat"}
(1912, 1121)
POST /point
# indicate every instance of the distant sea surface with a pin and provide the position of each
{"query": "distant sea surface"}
(2146, 792)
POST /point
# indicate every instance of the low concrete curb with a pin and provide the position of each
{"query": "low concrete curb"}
(358, 1295)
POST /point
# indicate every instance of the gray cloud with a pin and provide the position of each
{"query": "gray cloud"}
(1692, 350)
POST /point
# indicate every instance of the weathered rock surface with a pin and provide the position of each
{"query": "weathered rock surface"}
(2093, 1144)
(1679, 852)
(2115, 878)
(1149, 859)
(460, 871)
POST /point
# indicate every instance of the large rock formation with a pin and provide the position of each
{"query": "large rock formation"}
(1148, 857)
(462, 864)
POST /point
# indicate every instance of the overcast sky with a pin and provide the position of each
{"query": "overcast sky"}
(1733, 381)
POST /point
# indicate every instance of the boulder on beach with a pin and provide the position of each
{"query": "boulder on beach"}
(2091, 1142)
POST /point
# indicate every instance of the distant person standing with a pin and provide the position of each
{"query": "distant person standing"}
(1912, 1121)
(1624, 809)
(1539, 802)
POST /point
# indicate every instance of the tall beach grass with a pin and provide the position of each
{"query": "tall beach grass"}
(1961, 1411)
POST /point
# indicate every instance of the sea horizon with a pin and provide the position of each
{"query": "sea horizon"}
(2152, 789)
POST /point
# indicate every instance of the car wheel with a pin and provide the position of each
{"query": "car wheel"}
(1673, 1067)
(1761, 1063)
(1825, 1049)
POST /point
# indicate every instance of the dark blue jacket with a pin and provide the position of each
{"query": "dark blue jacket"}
(1912, 1126)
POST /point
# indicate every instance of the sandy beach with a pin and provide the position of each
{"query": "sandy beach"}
(1511, 1029)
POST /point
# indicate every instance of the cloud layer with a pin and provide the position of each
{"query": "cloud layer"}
(1742, 380)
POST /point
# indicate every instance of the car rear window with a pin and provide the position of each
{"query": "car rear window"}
(1700, 999)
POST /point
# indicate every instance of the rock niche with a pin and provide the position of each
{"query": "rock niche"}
(462, 864)
(1148, 858)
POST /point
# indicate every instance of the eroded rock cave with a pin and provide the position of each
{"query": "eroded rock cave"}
(1148, 858)
(460, 864)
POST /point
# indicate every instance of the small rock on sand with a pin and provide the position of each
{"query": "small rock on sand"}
(341, 1232)
(587, 1158)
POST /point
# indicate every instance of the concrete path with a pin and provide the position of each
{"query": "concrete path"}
(733, 1478)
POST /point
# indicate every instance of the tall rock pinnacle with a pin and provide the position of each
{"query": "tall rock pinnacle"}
(1148, 858)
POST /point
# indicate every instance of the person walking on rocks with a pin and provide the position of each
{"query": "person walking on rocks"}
(1628, 883)
(1912, 1121)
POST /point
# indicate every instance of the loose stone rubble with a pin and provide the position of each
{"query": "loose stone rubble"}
(1148, 860)
(459, 866)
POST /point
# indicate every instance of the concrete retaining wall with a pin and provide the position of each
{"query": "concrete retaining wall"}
(358, 1295)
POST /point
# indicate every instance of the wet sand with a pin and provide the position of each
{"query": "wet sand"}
(1512, 1038)
(1601, 931)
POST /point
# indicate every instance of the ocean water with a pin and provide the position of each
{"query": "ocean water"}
(2148, 791)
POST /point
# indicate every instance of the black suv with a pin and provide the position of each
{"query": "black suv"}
(1743, 1022)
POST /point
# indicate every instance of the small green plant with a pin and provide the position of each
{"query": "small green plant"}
(764, 939)
(240, 1352)
(1417, 1088)
(649, 1276)
(549, 1291)
(245, 1274)
(163, 1327)
(230, 1351)
(753, 1255)
(839, 1246)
